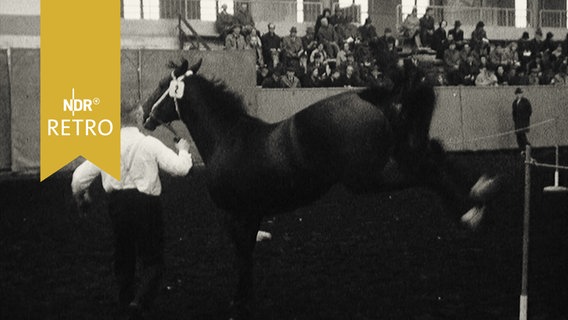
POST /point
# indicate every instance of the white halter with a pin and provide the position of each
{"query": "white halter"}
(175, 91)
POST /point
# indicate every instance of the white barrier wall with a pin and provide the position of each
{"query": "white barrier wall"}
(466, 118)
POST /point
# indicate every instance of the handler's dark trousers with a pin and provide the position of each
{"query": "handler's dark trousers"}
(138, 233)
(522, 140)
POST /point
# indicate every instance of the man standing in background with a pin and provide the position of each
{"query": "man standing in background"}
(522, 111)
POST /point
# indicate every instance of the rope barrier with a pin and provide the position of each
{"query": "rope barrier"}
(505, 133)
(546, 165)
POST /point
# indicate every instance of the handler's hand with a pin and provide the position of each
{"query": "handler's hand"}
(182, 145)
(83, 201)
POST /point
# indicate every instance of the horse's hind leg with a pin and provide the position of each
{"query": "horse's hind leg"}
(243, 229)
(431, 168)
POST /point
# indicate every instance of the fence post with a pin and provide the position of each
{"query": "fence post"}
(523, 304)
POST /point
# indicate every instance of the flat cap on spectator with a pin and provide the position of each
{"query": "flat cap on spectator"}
(310, 29)
(290, 69)
(457, 23)
(236, 25)
(293, 29)
(518, 90)
(388, 30)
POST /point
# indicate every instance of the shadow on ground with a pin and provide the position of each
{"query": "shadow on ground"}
(387, 256)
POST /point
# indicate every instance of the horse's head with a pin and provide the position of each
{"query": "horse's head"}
(161, 106)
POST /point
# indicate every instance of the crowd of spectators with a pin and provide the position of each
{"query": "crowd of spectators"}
(336, 53)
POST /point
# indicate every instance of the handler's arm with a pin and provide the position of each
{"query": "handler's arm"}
(174, 164)
(83, 177)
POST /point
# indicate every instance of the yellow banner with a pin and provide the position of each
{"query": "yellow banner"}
(80, 84)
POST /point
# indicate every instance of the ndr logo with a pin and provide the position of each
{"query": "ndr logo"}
(78, 105)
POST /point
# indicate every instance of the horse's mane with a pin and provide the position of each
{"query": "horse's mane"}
(220, 99)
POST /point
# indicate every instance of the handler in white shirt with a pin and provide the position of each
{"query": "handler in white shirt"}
(134, 206)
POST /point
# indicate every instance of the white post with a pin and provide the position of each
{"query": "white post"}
(523, 303)
(300, 11)
(521, 13)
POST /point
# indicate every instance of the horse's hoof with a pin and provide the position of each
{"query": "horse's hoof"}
(484, 188)
(263, 235)
(473, 217)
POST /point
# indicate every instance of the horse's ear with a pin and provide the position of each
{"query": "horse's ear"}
(196, 66)
(184, 64)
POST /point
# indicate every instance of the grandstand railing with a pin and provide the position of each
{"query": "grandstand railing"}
(470, 16)
(275, 11)
(553, 18)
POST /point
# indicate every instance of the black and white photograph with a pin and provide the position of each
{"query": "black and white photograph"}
(295, 160)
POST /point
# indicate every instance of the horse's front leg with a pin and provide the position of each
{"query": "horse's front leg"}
(244, 229)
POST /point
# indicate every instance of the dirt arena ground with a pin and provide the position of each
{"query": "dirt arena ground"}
(394, 255)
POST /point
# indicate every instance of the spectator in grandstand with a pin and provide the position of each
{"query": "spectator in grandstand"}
(275, 62)
(292, 47)
(224, 22)
(328, 37)
(496, 54)
(387, 39)
(522, 111)
(518, 77)
(270, 43)
(338, 17)
(235, 40)
(350, 62)
(319, 53)
(342, 54)
(367, 32)
(524, 50)
(511, 56)
(556, 53)
(410, 28)
(325, 14)
(485, 78)
(303, 69)
(536, 45)
(289, 80)
(309, 42)
(349, 78)
(261, 74)
(479, 42)
(561, 77)
(273, 81)
(457, 34)
(377, 78)
(254, 43)
(565, 46)
(333, 80)
(468, 71)
(466, 52)
(484, 62)
(535, 77)
(243, 16)
(439, 39)
(427, 27)
(549, 44)
(312, 80)
(502, 76)
(452, 64)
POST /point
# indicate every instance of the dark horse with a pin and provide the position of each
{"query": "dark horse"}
(256, 168)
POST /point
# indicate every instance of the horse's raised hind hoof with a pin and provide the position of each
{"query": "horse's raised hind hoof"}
(485, 188)
(473, 217)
